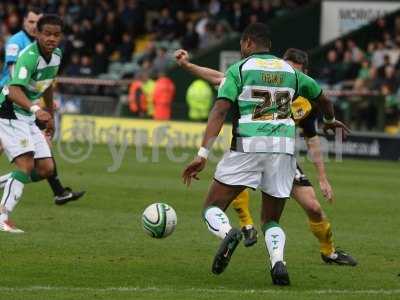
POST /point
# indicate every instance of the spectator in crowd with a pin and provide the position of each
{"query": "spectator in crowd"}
(165, 26)
(237, 17)
(208, 38)
(382, 68)
(354, 49)
(148, 90)
(86, 67)
(191, 39)
(164, 93)
(100, 59)
(199, 98)
(73, 68)
(339, 48)
(125, 49)
(392, 109)
(330, 72)
(214, 7)
(132, 16)
(161, 61)
(136, 97)
(349, 67)
(180, 24)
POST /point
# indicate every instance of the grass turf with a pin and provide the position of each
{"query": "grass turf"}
(96, 249)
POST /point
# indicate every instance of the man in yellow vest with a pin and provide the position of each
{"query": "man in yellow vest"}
(199, 99)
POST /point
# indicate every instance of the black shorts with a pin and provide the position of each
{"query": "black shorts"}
(300, 178)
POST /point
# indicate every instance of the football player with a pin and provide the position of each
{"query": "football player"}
(305, 117)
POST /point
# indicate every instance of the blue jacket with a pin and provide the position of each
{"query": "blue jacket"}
(14, 45)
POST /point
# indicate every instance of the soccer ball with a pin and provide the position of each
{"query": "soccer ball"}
(159, 220)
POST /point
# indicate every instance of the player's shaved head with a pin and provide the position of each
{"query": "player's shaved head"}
(258, 33)
(255, 38)
(297, 56)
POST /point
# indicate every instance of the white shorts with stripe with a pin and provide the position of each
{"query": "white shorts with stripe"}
(19, 137)
(273, 173)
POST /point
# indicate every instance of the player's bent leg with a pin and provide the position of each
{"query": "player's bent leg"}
(275, 237)
(320, 226)
(62, 195)
(241, 206)
(13, 191)
(44, 167)
(219, 197)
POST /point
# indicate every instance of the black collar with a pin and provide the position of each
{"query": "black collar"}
(42, 55)
(31, 38)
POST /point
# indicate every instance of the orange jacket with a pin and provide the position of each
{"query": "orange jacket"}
(136, 97)
(164, 93)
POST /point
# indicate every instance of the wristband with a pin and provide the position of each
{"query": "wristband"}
(34, 108)
(331, 121)
(203, 152)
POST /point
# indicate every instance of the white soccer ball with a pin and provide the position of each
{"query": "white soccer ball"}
(159, 220)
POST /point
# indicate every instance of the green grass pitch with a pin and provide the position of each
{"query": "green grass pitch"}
(96, 249)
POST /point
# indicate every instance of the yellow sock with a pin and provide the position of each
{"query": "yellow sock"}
(241, 205)
(322, 231)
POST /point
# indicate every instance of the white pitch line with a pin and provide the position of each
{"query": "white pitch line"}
(199, 290)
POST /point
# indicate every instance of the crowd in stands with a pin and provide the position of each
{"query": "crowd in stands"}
(140, 33)
(373, 68)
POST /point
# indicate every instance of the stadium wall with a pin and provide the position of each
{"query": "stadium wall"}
(173, 134)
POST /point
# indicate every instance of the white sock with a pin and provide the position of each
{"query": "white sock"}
(217, 221)
(3, 180)
(275, 241)
(12, 192)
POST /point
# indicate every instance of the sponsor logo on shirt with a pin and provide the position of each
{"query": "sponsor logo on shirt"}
(23, 73)
(12, 50)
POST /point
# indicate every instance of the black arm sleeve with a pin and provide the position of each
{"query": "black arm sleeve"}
(308, 124)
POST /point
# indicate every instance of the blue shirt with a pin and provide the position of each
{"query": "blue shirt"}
(14, 45)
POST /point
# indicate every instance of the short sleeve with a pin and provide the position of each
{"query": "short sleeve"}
(12, 51)
(229, 87)
(23, 70)
(308, 87)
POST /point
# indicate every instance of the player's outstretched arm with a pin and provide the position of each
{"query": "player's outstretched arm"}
(216, 120)
(314, 148)
(17, 95)
(330, 123)
(212, 76)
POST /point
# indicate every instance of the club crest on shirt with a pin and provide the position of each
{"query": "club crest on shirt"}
(24, 143)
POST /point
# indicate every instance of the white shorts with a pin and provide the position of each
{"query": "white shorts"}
(273, 173)
(19, 137)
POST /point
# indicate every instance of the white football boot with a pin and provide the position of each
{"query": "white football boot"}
(9, 226)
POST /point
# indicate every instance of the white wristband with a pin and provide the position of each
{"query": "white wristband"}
(203, 152)
(34, 108)
(331, 121)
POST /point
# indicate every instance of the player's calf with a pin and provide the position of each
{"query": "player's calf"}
(275, 241)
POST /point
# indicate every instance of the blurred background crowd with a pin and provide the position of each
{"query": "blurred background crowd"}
(139, 34)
